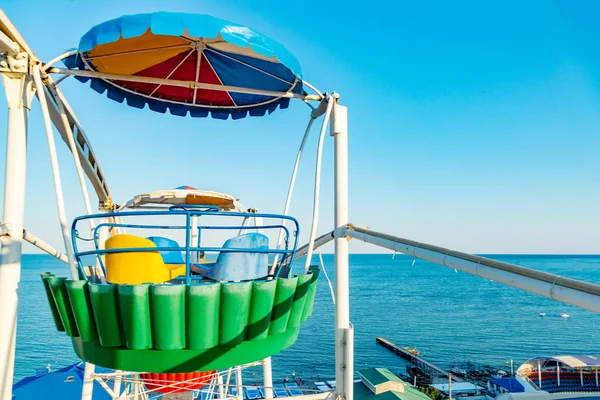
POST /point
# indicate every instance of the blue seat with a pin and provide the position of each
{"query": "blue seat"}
(294, 389)
(252, 393)
(279, 390)
(241, 266)
(169, 257)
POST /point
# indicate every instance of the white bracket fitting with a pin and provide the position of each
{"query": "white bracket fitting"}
(4, 229)
(339, 119)
(17, 63)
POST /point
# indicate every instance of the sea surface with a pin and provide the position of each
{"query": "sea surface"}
(449, 316)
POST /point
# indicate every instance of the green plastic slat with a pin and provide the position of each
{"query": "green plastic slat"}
(59, 291)
(299, 300)
(284, 296)
(263, 297)
(134, 306)
(82, 309)
(179, 328)
(167, 307)
(310, 299)
(235, 307)
(106, 314)
(203, 303)
(53, 308)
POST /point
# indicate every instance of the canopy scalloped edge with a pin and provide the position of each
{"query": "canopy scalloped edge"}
(177, 24)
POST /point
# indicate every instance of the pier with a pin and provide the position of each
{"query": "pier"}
(425, 365)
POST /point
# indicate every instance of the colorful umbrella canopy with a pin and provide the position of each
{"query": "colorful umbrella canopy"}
(193, 48)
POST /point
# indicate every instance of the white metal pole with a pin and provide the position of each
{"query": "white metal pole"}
(539, 374)
(268, 378)
(349, 362)
(88, 382)
(117, 385)
(40, 244)
(290, 193)
(228, 380)
(344, 346)
(581, 376)
(60, 202)
(136, 390)
(317, 192)
(221, 387)
(320, 241)
(18, 93)
(558, 372)
(238, 383)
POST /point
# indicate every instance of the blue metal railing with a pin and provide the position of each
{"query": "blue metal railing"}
(187, 212)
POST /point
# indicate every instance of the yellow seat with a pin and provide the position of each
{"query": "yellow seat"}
(135, 267)
(175, 270)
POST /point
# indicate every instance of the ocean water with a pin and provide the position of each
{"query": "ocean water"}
(449, 316)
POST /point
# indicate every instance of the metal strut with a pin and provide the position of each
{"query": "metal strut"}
(579, 293)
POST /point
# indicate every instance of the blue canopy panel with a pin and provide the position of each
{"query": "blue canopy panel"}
(64, 384)
(192, 48)
(511, 384)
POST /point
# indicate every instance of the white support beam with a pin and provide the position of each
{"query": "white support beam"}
(7, 45)
(578, 293)
(42, 245)
(268, 378)
(36, 241)
(7, 27)
(18, 93)
(238, 383)
(344, 343)
(320, 241)
(222, 390)
(88, 382)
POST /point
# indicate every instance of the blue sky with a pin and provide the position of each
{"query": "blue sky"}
(473, 125)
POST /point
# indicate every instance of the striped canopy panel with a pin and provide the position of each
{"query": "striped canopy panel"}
(188, 48)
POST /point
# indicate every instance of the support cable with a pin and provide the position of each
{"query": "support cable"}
(327, 277)
(80, 174)
(315, 219)
(60, 202)
(290, 193)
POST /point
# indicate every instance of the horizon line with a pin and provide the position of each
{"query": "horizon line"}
(402, 254)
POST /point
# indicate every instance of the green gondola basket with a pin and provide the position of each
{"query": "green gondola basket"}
(180, 328)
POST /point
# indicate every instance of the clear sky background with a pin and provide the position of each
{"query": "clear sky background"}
(473, 125)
